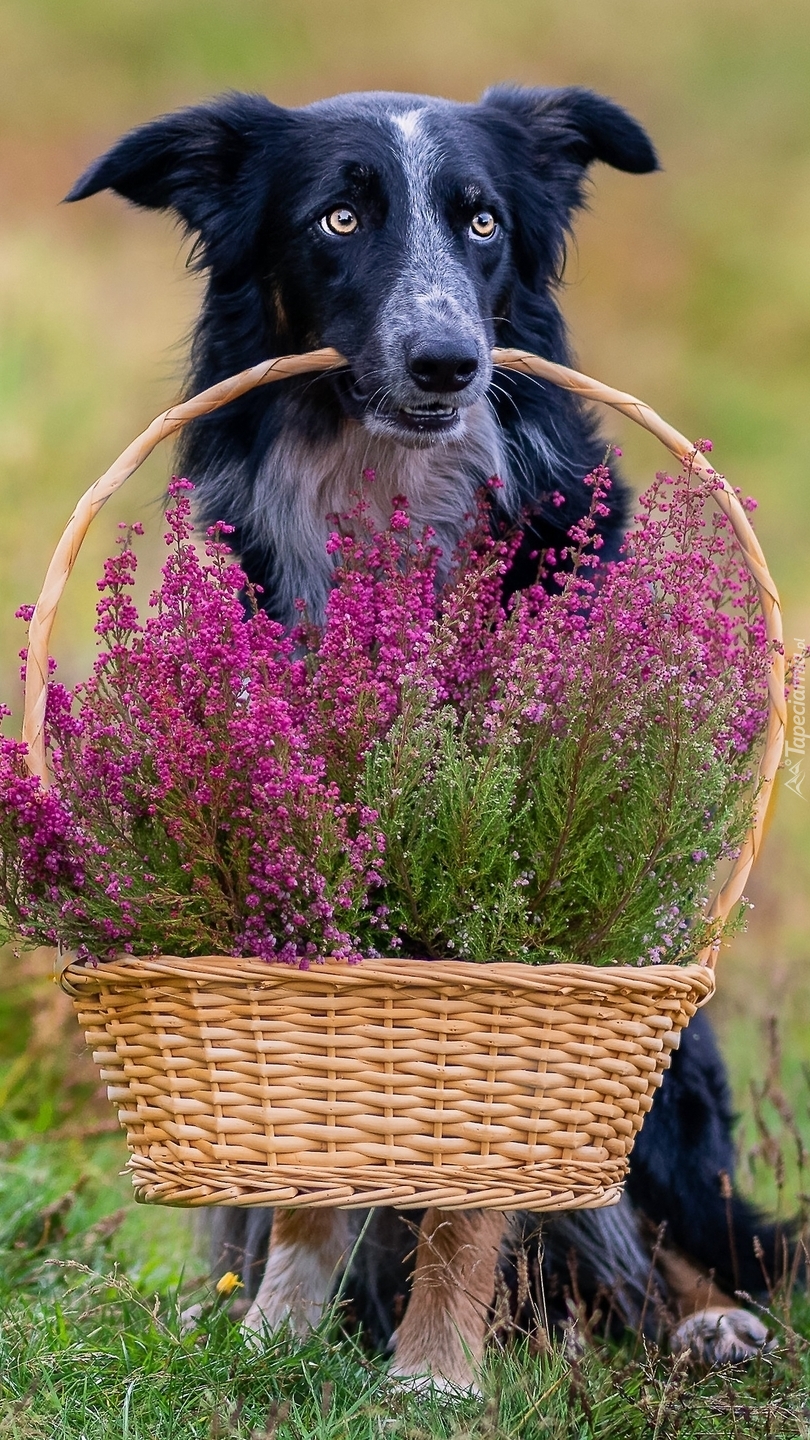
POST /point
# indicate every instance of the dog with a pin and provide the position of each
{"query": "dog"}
(413, 234)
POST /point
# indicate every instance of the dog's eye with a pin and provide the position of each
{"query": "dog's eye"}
(483, 225)
(340, 221)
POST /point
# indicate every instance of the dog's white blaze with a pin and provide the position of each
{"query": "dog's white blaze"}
(431, 281)
(408, 122)
(426, 245)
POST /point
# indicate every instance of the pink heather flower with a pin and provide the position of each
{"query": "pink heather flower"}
(207, 787)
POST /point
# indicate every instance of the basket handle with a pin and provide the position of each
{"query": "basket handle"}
(522, 361)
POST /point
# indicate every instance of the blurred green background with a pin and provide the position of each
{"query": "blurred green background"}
(690, 288)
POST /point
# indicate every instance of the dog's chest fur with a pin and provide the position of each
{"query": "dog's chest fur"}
(303, 484)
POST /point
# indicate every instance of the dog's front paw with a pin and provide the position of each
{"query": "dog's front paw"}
(721, 1336)
(460, 1383)
(270, 1313)
(444, 1366)
(411, 1369)
(190, 1318)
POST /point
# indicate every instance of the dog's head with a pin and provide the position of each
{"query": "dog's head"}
(393, 227)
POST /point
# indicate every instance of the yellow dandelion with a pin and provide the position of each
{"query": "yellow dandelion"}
(228, 1282)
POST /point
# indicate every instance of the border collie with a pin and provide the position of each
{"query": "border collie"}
(414, 234)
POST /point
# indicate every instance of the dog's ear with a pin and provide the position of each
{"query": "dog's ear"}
(196, 162)
(578, 126)
(547, 140)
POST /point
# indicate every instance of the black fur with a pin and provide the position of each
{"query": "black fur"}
(249, 180)
(682, 1153)
(253, 183)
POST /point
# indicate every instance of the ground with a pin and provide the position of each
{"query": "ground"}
(92, 1287)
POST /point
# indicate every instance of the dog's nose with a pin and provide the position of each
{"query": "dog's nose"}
(443, 366)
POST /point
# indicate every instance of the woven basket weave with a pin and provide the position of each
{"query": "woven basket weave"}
(399, 1082)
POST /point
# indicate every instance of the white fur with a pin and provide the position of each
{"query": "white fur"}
(722, 1336)
(303, 482)
(408, 122)
(426, 243)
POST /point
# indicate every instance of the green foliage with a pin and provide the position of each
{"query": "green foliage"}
(448, 812)
(549, 848)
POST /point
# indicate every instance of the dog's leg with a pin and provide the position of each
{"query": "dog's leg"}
(307, 1249)
(442, 1335)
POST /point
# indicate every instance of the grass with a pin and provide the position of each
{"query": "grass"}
(92, 1288)
(92, 1347)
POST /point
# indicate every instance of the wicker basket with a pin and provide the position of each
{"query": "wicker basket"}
(395, 1082)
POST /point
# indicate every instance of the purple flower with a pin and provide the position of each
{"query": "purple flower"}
(207, 777)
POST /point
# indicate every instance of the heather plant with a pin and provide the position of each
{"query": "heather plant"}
(429, 770)
(564, 779)
(189, 810)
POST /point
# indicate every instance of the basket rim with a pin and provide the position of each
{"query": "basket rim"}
(395, 972)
